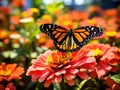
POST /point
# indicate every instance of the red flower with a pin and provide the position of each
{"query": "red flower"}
(9, 86)
(51, 66)
(10, 71)
(106, 56)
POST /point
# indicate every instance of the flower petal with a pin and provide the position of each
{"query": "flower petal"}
(47, 83)
(69, 76)
(43, 76)
(82, 75)
(70, 82)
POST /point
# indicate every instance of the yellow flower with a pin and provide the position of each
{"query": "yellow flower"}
(111, 33)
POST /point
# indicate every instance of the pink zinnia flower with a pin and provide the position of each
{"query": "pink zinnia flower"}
(51, 66)
(107, 58)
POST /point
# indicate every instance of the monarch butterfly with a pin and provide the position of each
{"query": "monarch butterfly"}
(69, 40)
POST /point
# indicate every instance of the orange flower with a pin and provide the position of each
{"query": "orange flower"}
(44, 40)
(110, 13)
(46, 18)
(10, 71)
(18, 3)
(3, 34)
(78, 15)
(67, 24)
(15, 20)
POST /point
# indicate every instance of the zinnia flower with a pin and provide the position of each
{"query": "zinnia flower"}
(52, 66)
(106, 56)
(10, 71)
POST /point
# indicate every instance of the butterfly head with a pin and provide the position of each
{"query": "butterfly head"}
(97, 31)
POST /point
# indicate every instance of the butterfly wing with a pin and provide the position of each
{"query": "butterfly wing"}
(55, 32)
(83, 34)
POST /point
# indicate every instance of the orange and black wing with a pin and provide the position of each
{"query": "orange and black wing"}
(83, 34)
(55, 32)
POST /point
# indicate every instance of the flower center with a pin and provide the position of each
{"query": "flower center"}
(57, 61)
(96, 52)
(4, 71)
(111, 33)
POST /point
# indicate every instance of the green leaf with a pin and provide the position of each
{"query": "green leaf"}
(52, 8)
(82, 84)
(116, 78)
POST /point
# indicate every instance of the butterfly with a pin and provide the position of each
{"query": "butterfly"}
(70, 40)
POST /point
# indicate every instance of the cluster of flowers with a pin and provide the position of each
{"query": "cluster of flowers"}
(92, 60)
(19, 31)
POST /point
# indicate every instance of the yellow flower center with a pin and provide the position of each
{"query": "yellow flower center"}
(111, 33)
(6, 72)
(56, 61)
(96, 52)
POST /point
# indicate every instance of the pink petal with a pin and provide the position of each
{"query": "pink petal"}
(35, 75)
(72, 71)
(50, 76)
(105, 65)
(68, 66)
(82, 75)
(70, 82)
(43, 76)
(47, 83)
(57, 79)
(100, 72)
(89, 66)
(69, 76)
(60, 72)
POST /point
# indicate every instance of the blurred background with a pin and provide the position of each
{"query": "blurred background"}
(72, 4)
(21, 39)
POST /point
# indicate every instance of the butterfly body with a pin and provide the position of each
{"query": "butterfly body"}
(69, 40)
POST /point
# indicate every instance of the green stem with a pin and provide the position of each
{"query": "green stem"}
(82, 84)
(56, 86)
